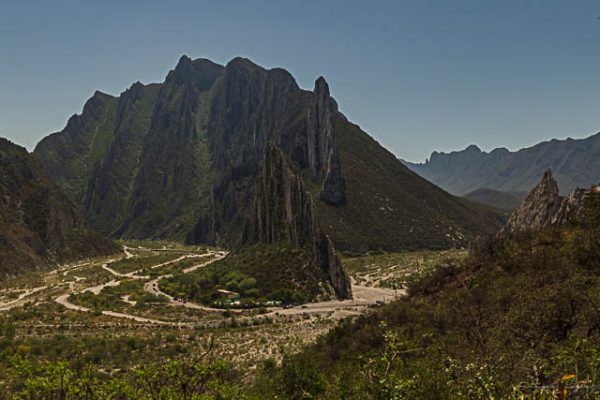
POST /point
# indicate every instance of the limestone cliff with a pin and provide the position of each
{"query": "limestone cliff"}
(284, 211)
(323, 154)
(544, 207)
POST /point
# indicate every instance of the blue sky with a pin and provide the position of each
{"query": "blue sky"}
(417, 75)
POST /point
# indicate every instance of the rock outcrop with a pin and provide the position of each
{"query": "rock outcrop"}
(173, 179)
(571, 208)
(38, 223)
(284, 211)
(544, 207)
(323, 154)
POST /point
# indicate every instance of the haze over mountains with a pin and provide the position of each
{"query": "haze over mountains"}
(180, 160)
(574, 163)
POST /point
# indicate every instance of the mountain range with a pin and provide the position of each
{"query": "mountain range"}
(181, 159)
(575, 163)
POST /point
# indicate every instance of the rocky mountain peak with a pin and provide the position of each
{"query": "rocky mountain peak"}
(473, 148)
(95, 103)
(544, 207)
(184, 59)
(321, 88)
(538, 208)
(199, 73)
(323, 153)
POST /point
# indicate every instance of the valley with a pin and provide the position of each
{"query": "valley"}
(112, 311)
(267, 200)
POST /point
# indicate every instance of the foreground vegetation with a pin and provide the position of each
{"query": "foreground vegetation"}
(520, 320)
(517, 319)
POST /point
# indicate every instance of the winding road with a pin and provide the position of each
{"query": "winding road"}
(364, 296)
(64, 298)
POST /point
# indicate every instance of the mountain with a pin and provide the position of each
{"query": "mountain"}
(544, 207)
(576, 163)
(495, 198)
(38, 223)
(284, 211)
(180, 160)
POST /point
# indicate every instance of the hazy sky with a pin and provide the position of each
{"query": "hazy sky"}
(417, 75)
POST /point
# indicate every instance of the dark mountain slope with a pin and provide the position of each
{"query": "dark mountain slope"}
(172, 185)
(201, 156)
(38, 224)
(112, 180)
(70, 155)
(575, 163)
(390, 207)
(494, 198)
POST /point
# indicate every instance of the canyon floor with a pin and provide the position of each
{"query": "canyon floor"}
(112, 311)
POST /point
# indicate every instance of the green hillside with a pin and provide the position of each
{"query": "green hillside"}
(519, 321)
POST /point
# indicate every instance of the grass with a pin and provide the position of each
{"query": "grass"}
(396, 270)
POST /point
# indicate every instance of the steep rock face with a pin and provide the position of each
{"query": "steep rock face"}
(544, 207)
(323, 155)
(538, 208)
(173, 180)
(38, 224)
(112, 180)
(284, 211)
(574, 162)
(570, 208)
(70, 155)
(252, 106)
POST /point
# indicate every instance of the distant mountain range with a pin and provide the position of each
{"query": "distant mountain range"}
(574, 163)
(181, 160)
(38, 223)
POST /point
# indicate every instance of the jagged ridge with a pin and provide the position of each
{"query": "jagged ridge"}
(284, 211)
(544, 207)
(575, 163)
